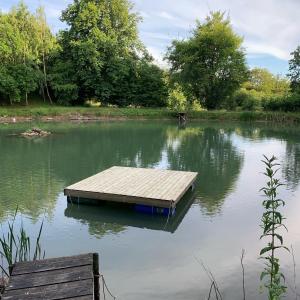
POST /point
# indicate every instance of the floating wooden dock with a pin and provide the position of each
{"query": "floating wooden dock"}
(148, 187)
(74, 277)
(113, 216)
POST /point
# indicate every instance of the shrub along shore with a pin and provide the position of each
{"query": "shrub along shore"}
(63, 113)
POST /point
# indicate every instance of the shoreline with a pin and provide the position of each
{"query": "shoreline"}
(10, 115)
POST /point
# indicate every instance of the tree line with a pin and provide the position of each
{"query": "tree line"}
(100, 58)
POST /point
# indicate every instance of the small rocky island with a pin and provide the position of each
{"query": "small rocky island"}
(35, 132)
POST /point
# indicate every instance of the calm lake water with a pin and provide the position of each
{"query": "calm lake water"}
(142, 256)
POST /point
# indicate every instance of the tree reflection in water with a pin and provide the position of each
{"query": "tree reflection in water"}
(35, 171)
(210, 152)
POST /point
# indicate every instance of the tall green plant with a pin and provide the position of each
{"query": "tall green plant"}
(17, 246)
(272, 222)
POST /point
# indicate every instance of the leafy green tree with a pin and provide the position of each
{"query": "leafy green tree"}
(8, 85)
(98, 32)
(260, 80)
(21, 53)
(260, 87)
(150, 87)
(210, 65)
(264, 82)
(177, 101)
(46, 46)
(26, 25)
(294, 70)
(62, 80)
(99, 56)
(104, 56)
(10, 54)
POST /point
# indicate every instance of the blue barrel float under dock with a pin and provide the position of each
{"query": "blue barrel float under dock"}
(151, 191)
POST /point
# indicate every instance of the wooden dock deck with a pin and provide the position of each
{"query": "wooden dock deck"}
(151, 187)
(74, 277)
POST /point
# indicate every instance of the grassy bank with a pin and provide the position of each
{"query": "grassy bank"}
(260, 116)
(70, 113)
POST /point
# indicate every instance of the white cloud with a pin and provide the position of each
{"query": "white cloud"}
(52, 12)
(166, 15)
(144, 15)
(269, 27)
(253, 49)
(157, 35)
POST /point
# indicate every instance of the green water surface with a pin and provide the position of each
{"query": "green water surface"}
(144, 256)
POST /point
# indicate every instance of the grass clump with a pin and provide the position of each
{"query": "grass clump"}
(17, 246)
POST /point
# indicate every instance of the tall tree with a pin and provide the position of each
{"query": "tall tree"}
(102, 57)
(210, 65)
(294, 70)
(10, 55)
(46, 46)
(101, 34)
(26, 24)
(19, 55)
(98, 56)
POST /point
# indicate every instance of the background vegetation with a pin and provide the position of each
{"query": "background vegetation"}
(99, 60)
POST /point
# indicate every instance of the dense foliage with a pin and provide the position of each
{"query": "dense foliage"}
(291, 100)
(210, 65)
(102, 57)
(99, 56)
(99, 59)
(25, 43)
(261, 87)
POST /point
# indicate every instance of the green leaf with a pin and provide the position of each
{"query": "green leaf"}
(279, 237)
(264, 250)
(263, 274)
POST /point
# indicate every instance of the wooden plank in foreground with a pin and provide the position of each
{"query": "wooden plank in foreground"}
(75, 277)
(161, 188)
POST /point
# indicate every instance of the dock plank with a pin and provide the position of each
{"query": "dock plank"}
(89, 297)
(162, 188)
(54, 291)
(73, 277)
(52, 264)
(50, 277)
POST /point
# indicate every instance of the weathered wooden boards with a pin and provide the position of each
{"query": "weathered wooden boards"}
(153, 187)
(74, 277)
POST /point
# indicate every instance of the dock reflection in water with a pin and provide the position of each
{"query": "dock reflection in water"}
(109, 217)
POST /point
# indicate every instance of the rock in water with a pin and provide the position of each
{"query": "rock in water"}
(35, 132)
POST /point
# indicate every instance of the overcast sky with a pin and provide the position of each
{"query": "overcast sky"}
(271, 28)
